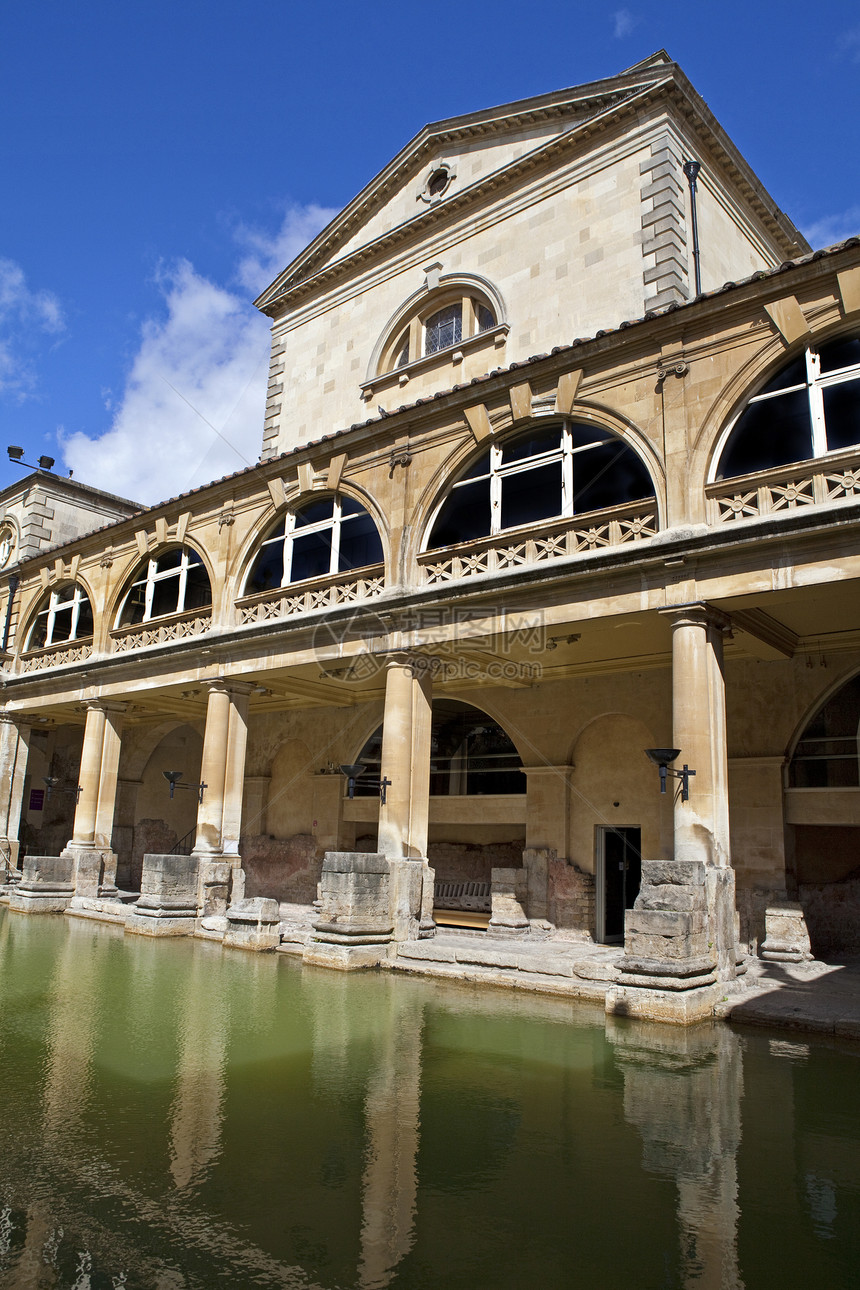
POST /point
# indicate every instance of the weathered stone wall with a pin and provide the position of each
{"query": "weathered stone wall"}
(453, 862)
(284, 869)
(151, 837)
(832, 912)
(572, 896)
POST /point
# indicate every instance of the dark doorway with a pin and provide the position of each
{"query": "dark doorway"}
(619, 878)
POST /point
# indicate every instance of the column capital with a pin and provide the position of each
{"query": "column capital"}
(18, 719)
(697, 613)
(105, 705)
(419, 664)
(224, 685)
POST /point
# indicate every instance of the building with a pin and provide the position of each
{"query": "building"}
(527, 505)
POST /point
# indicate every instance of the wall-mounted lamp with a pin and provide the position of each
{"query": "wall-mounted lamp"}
(51, 783)
(17, 454)
(352, 774)
(174, 776)
(662, 759)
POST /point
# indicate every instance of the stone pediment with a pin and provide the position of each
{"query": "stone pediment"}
(453, 163)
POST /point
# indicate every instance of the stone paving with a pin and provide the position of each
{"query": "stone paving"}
(816, 997)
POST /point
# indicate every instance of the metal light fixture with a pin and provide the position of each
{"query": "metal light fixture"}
(354, 772)
(51, 783)
(174, 776)
(662, 759)
(16, 453)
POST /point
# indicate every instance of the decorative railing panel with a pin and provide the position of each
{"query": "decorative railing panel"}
(790, 488)
(158, 632)
(511, 550)
(321, 593)
(55, 655)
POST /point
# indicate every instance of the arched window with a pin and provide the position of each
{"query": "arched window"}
(64, 614)
(444, 320)
(172, 582)
(827, 752)
(327, 535)
(470, 755)
(561, 469)
(811, 407)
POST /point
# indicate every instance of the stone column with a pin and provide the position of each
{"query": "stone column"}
(219, 816)
(404, 817)
(396, 761)
(14, 751)
(680, 937)
(90, 844)
(213, 770)
(89, 776)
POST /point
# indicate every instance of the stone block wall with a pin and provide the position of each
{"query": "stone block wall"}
(572, 897)
(284, 869)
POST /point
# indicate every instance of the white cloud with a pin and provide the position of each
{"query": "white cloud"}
(193, 403)
(267, 257)
(833, 228)
(623, 23)
(850, 44)
(25, 317)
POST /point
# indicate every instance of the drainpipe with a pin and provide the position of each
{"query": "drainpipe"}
(14, 582)
(691, 170)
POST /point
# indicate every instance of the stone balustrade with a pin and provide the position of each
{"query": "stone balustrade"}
(556, 539)
(831, 479)
(317, 593)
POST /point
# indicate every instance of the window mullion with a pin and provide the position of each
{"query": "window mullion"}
(76, 609)
(495, 489)
(289, 529)
(183, 583)
(336, 520)
(52, 609)
(567, 472)
(150, 590)
(816, 406)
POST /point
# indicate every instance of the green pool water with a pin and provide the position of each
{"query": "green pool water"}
(174, 1115)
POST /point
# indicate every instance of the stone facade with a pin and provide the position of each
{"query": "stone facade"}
(498, 677)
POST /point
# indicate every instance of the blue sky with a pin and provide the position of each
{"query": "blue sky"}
(164, 161)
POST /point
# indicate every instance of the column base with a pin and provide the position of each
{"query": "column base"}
(685, 1007)
(46, 886)
(253, 924)
(344, 958)
(44, 899)
(168, 901)
(786, 938)
(161, 922)
(508, 930)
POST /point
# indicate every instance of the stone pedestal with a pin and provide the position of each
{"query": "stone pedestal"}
(360, 901)
(168, 897)
(509, 894)
(427, 927)
(214, 889)
(786, 938)
(667, 936)
(46, 886)
(253, 924)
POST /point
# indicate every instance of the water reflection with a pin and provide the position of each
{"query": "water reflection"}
(178, 1116)
(683, 1091)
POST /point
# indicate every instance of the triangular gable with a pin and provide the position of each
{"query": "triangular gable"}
(495, 138)
(505, 142)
